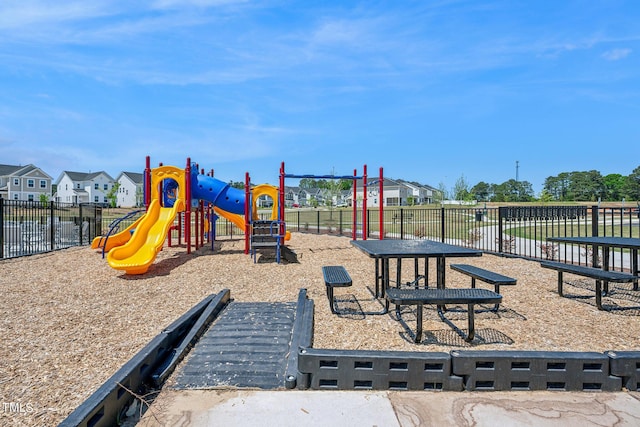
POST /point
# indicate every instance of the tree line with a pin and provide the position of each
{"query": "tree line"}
(578, 186)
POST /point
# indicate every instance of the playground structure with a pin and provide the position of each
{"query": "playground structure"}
(172, 193)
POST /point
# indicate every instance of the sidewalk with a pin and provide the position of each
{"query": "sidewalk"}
(200, 408)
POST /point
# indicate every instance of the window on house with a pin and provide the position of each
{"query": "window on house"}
(106, 200)
(43, 183)
(96, 186)
(78, 186)
(31, 183)
(16, 181)
(15, 196)
(127, 192)
(66, 187)
(96, 199)
(106, 187)
(30, 197)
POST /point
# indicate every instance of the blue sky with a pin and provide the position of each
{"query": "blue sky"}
(431, 91)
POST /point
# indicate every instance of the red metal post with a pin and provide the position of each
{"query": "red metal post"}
(187, 213)
(381, 203)
(247, 211)
(281, 205)
(354, 228)
(147, 183)
(364, 204)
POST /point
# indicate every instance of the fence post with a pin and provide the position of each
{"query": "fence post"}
(52, 227)
(595, 217)
(1, 228)
(401, 223)
(500, 229)
(80, 225)
(442, 227)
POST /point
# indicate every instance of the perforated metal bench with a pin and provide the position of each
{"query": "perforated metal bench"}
(486, 276)
(335, 276)
(435, 296)
(595, 273)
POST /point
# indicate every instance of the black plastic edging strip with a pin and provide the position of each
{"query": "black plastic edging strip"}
(299, 337)
(208, 315)
(178, 328)
(105, 405)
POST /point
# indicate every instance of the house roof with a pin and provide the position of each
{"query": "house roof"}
(135, 177)
(83, 176)
(12, 170)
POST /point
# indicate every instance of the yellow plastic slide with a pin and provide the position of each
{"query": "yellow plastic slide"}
(114, 240)
(238, 220)
(135, 256)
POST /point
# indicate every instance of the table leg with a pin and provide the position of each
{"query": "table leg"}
(440, 280)
(426, 272)
(605, 267)
(472, 328)
(385, 275)
(418, 323)
(634, 267)
(378, 278)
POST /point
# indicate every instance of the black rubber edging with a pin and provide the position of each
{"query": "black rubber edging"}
(106, 406)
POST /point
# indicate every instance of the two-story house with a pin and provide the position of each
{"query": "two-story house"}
(420, 194)
(83, 187)
(130, 190)
(24, 183)
(396, 193)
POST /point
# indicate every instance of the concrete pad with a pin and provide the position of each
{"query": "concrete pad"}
(514, 408)
(203, 408)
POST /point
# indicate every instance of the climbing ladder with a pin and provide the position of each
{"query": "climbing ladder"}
(265, 236)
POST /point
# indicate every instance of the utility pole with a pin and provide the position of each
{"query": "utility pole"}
(517, 170)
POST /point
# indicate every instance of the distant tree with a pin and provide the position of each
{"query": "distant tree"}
(586, 186)
(613, 184)
(631, 186)
(461, 189)
(545, 196)
(481, 191)
(442, 193)
(514, 191)
(237, 184)
(112, 195)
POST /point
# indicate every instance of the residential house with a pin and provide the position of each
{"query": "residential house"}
(420, 194)
(396, 193)
(83, 187)
(130, 191)
(27, 183)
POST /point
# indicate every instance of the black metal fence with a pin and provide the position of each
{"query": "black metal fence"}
(511, 230)
(34, 227)
(28, 228)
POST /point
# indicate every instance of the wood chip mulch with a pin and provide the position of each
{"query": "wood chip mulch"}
(69, 321)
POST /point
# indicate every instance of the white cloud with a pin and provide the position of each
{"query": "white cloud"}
(616, 54)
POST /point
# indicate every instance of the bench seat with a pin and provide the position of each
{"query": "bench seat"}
(419, 297)
(335, 276)
(487, 276)
(598, 274)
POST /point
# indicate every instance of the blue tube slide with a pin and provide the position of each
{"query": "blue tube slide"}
(217, 192)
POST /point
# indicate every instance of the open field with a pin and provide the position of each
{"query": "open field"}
(69, 321)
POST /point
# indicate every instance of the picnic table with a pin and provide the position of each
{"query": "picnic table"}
(384, 250)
